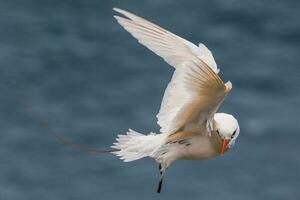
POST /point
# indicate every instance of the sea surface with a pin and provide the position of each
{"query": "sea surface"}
(69, 64)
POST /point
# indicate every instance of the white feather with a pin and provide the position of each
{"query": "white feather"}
(173, 49)
(193, 95)
(134, 145)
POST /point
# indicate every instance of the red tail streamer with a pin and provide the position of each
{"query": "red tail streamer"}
(66, 141)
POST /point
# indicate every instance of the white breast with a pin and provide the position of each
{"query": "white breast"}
(201, 147)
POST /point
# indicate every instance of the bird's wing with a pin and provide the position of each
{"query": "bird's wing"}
(193, 95)
(172, 48)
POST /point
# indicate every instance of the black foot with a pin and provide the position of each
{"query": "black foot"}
(159, 168)
(159, 185)
(161, 178)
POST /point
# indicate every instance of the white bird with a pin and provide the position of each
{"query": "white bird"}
(190, 127)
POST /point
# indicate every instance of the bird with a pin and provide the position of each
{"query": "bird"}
(190, 127)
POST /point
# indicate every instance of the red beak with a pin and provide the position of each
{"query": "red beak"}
(224, 146)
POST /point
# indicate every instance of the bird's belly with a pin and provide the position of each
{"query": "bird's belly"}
(201, 147)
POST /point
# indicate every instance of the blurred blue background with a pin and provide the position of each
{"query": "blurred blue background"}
(78, 70)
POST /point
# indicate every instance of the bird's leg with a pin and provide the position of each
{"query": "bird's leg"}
(159, 168)
(162, 172)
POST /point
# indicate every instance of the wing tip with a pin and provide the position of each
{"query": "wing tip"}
(117, 9)
(121, 19)
(228, 86)
(118, 17)
(123, 12)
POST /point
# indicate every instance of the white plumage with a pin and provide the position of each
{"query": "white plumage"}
(172, 48)
(134, 145)
(190, 127)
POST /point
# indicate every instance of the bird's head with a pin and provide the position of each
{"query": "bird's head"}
(228, 129)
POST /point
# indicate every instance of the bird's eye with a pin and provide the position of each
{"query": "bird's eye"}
(218, 132)
(233, 133)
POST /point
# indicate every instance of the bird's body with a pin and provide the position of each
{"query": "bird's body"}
(194, 142)
(190, 127)
(196, 145)
(192, 146)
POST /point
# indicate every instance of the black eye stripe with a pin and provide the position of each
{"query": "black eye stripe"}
(233, 133)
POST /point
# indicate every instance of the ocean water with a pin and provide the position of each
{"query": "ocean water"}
(71, 64)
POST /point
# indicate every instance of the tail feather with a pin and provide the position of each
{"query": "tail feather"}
(134, 145)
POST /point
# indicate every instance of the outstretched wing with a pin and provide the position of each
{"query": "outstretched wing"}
(195, 91)
(172, 48)
(193, 95)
